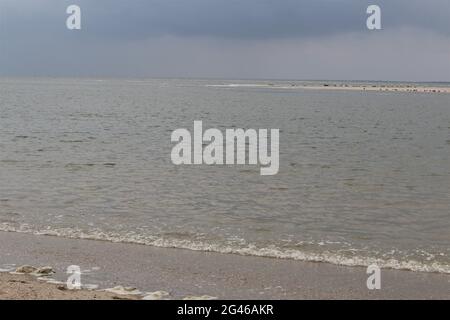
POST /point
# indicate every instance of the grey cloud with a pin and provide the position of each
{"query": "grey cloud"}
(254, 19)
(227, 38)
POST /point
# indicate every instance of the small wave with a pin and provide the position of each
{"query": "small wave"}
(248, 250)
(258, 86)
(240, 85)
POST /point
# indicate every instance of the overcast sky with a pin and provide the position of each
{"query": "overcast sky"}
(267, 39)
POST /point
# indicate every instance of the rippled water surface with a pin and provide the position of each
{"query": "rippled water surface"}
(364, 176)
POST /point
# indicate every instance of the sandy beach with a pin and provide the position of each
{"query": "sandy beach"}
(162, 273)
(383, 88)
(400, 88)
(27, 287)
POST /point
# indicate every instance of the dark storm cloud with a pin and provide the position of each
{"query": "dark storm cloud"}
(227, 38)
(118, 19)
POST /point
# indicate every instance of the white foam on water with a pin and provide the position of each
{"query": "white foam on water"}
(157, 295)
(52, 281)
(123, 291)
(240, 85)
(204, 297)
(89, 286)
(248, 250)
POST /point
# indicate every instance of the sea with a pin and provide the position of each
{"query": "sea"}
(364, 177)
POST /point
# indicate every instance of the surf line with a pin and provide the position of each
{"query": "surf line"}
(234, 147)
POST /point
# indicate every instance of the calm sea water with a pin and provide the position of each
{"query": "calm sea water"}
(364, 176)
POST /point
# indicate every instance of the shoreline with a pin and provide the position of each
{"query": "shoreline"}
(345, 87)
(249, 250)
(185, 274)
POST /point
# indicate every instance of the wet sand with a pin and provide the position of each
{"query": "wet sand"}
(190, 274)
